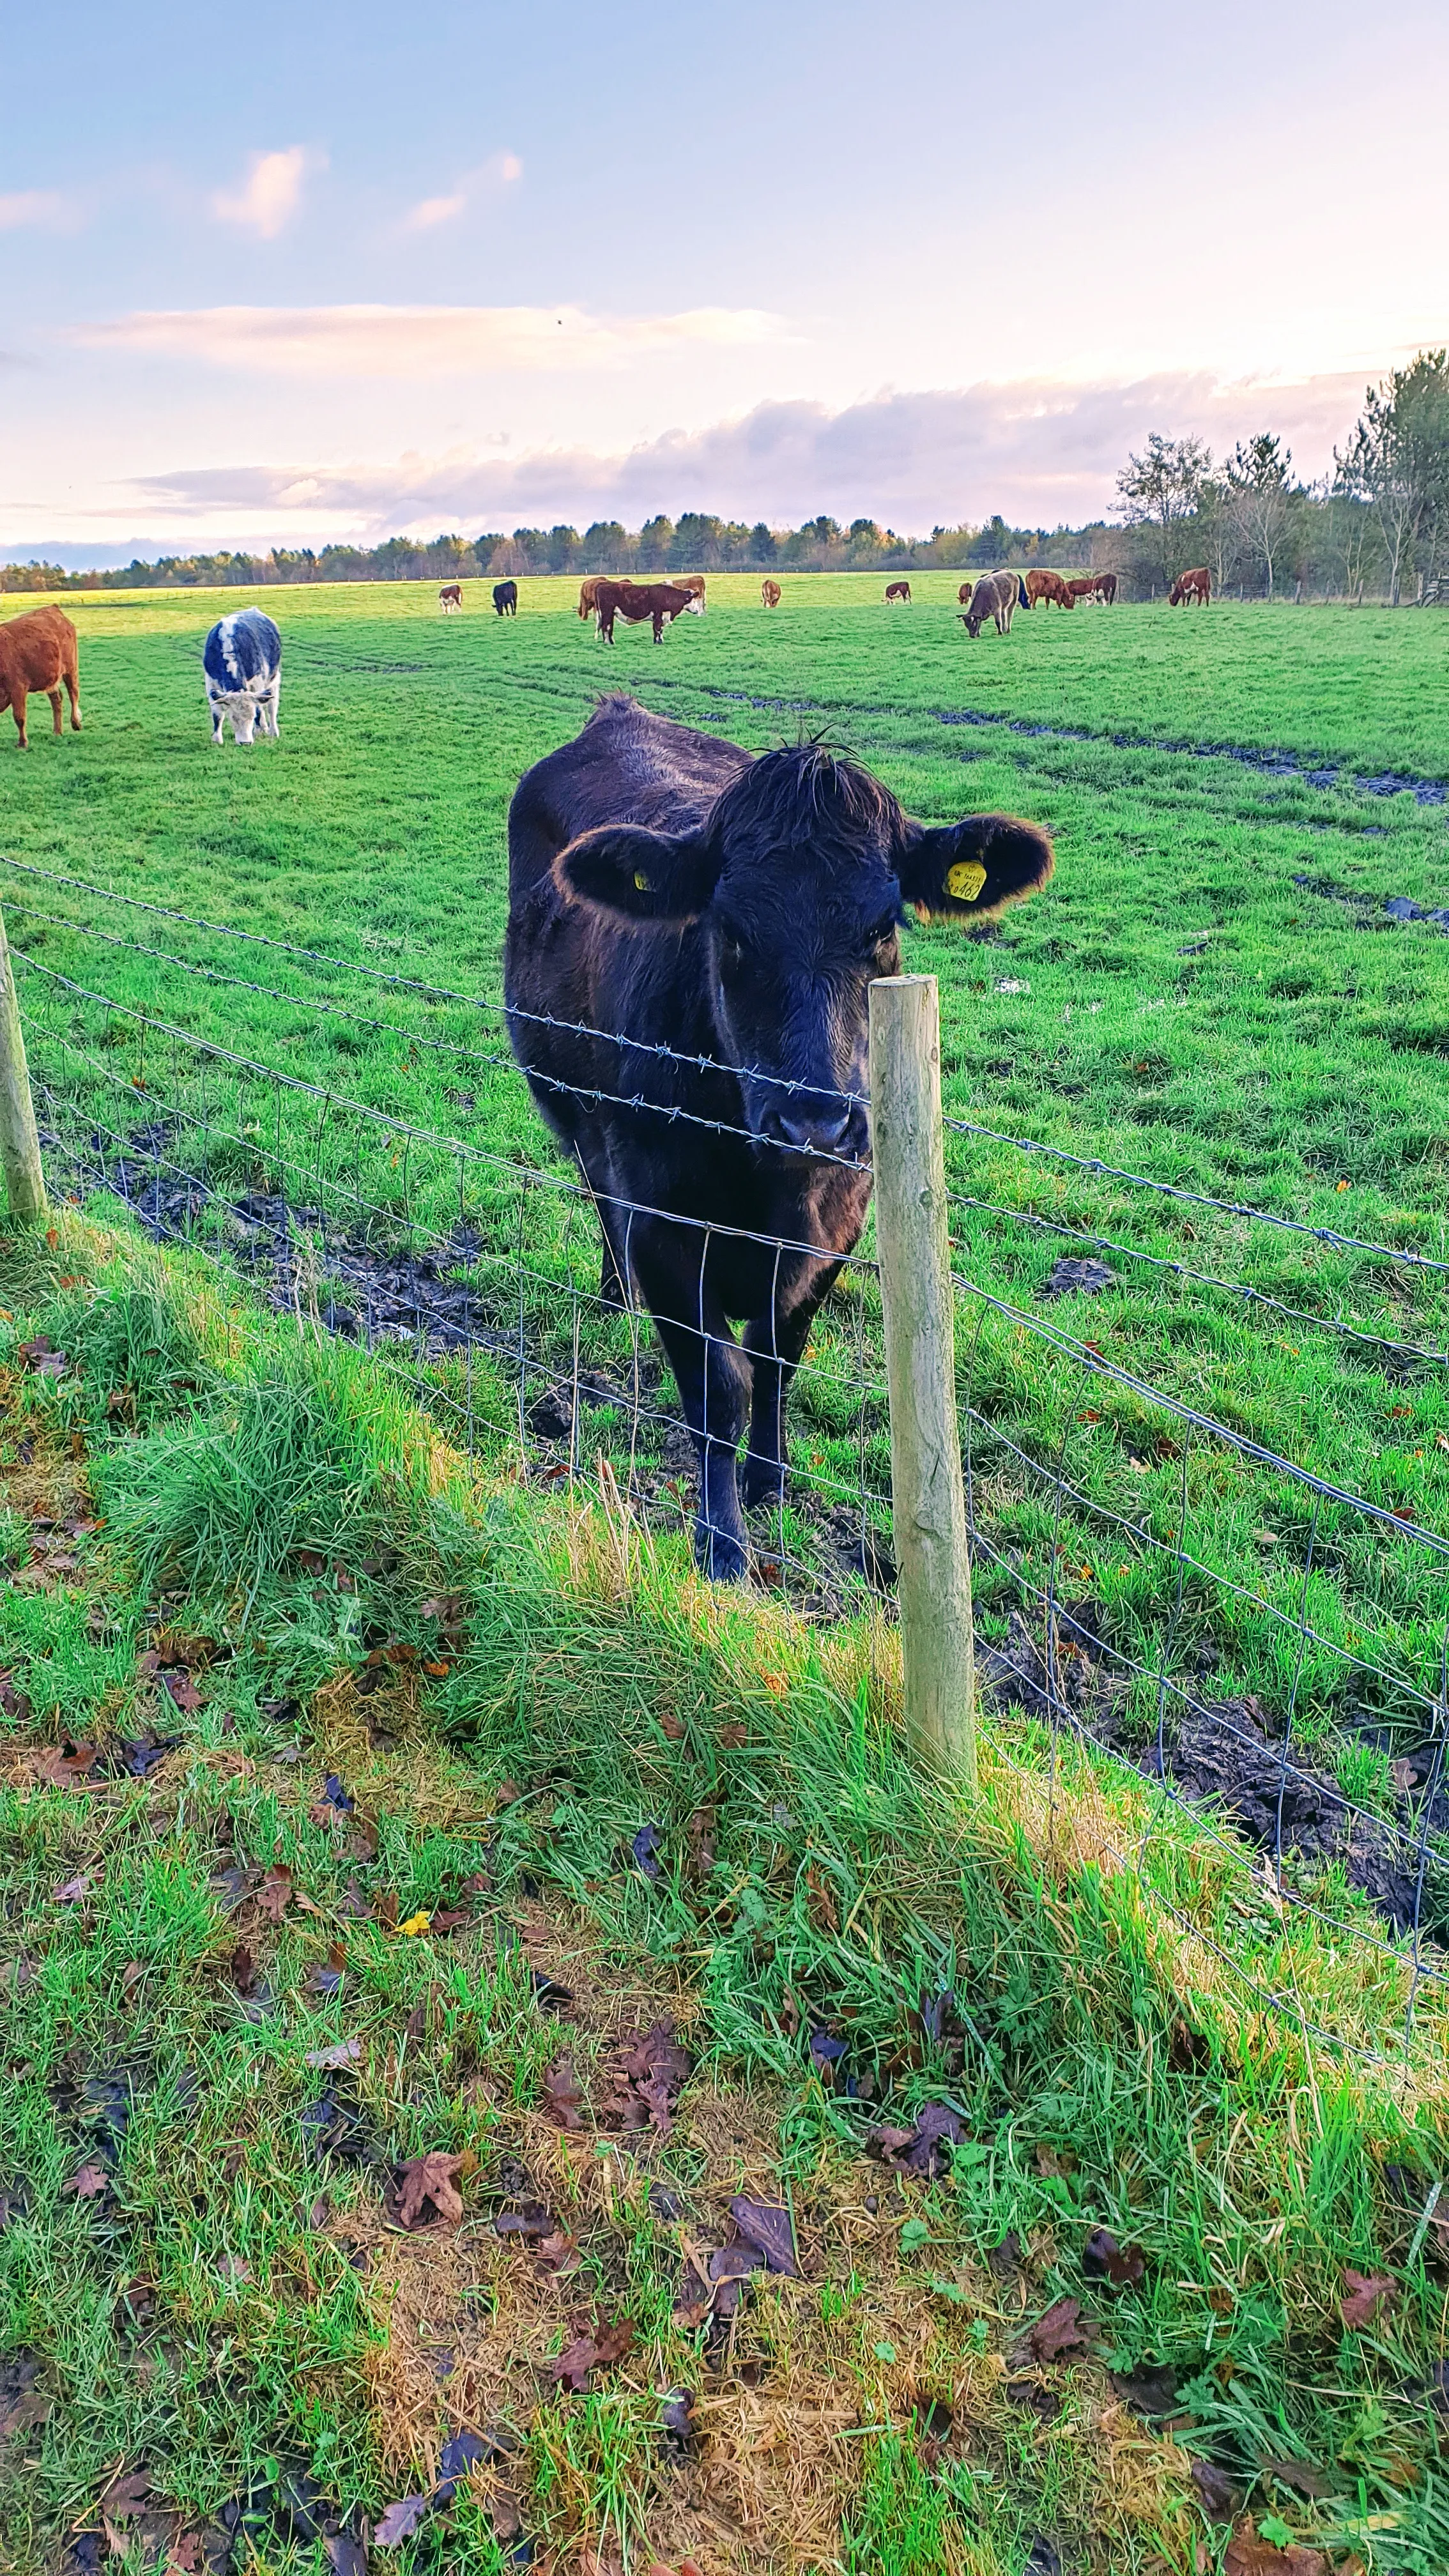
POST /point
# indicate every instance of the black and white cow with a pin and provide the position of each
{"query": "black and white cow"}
(243, 665)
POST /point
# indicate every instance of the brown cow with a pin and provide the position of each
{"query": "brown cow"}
(450, 597)
(898, 591)
(1049, 586)
(964, 593)
(38, 651)
(1188, 586)
(770, 593)
(589, 593)
(662, 601)
(691, 581)
(1106, 588)
(1082, 586)
(997, 595)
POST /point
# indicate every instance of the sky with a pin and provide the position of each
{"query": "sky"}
(360, 271)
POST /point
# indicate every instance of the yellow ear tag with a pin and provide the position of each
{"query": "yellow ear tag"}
(643, 882)
(965, 880)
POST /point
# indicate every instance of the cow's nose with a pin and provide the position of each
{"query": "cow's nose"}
(816, 1131)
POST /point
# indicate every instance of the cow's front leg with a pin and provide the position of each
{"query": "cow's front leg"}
(712, 1376)
(775, 1344)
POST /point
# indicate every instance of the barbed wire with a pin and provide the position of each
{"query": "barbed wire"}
(1095, 1166)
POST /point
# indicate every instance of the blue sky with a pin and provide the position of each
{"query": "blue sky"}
(344, 270)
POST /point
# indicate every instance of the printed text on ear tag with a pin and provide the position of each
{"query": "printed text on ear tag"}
(965, 880)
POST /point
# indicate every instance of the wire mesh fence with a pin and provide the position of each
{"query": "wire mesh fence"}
(1225, 1572)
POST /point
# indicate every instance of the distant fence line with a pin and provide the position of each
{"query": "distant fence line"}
(475, 1269)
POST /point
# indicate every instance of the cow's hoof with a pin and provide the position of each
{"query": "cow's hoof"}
(719, 1556)
(762, 1482)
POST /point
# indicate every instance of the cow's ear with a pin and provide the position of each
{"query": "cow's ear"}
(970, 871)
(647, 876)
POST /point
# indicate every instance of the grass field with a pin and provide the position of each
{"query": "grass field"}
(1210, 994)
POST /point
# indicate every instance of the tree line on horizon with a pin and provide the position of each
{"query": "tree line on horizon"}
(1376, 525)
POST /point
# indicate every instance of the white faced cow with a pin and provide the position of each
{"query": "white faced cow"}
(243, 665)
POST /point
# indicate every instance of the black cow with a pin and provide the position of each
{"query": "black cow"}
(669, 888)
(505, 598)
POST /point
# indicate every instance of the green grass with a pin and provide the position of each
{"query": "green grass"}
(1183, 1008)
(232, 2310)
(1192, 1014)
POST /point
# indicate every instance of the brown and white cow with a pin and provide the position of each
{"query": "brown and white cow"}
(450, 598)
(898, 594)
(588, 593)
(770, 593)
(691, 581)
(37, 652)
(1195, 585)
(636, 601)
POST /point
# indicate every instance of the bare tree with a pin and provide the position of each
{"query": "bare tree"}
(1397, 463)
(1260, 498)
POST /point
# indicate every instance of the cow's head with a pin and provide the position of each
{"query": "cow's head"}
(799, 878)
(241, 706)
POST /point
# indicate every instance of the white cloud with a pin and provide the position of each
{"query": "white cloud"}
(413, 340)
(269, 195)
(43, 209)
(500, 171)
(1040, 452)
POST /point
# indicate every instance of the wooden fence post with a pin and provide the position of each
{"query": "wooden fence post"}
(19, 1143)
(928, 1503)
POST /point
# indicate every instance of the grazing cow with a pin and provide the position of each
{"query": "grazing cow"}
(37, 652)
(450, 597)
(1083, 585)
(898, 593)
(505, 598)
(1105, 586)
(588, 593)
(997, 595)
(662, 601)
(1188, 586)
(770, 593)
(691, 581)
(242, 661)
(710, 910)
(1049, 586)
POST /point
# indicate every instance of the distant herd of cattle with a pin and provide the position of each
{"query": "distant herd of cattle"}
(996, 596)
(242, 656)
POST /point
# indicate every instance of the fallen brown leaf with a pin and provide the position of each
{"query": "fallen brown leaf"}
(426, 2184)
(73, 1889)
(770, 2229)
(88, 2183)
(1103, 2259)
(275, 1893)
(564, 2097)
(1364, 2292)
(1061, 2331)
(594, 2347)
(399, 2521)
(1248, 2555)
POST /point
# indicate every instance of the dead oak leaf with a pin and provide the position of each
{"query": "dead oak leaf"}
(594, 2347)
(1063, 2330)
(564, 2095)
(1363, 2294)
(427, 2188)
(1250, 2555)
(399, 2521)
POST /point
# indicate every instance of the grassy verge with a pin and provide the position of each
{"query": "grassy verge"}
(356, 1812)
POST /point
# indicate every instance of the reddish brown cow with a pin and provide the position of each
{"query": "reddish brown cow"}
(588, 593)
(1197, 584)
(770, 593)
(450, 597)
(898, 592)
(1049, 586)
(691, 581)
(38, 651)
(635, 601)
